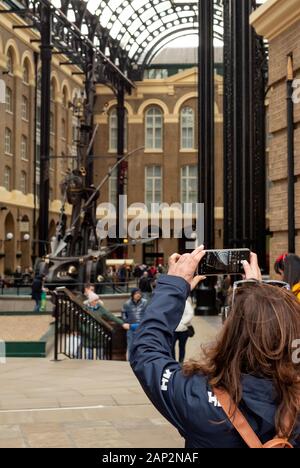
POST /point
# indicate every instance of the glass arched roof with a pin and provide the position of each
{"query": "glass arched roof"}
(142, 27)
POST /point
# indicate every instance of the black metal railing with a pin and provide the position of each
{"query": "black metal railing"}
(80, 334)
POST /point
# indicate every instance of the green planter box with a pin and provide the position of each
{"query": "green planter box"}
(25, 349)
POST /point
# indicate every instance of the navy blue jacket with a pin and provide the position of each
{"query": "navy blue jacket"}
(188, 402)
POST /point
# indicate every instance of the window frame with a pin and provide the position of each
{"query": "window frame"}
(24, 144)
(114, 114)
(7, 172)
(23, 179)
(25, 104)
(153, 191)
(186, 127)
(9, 92)
(8, 133)
(153, 128)
(184, 184)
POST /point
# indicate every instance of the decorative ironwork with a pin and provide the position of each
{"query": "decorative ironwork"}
(244, 130)
(206, 106)
(79, 334)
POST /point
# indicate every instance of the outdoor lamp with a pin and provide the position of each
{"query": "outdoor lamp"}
(9, 236)
(26, 237)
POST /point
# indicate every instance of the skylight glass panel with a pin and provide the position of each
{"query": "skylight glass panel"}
(126, 14)
(137, 4)
(116, 29)
(133, 50)
(142, 37)
(71, 16)
(125, 39)
(148, 14)
(163, 6)
(105, 16)
(114, 4)
(156, 25)
(56, 3)
(135, 26)
(172, 17)
(93, 6)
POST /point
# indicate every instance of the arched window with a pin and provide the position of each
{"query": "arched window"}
(154, 128)
(23, 182)
(7, 178)
(8, 141)
(187, 131)
(189, 184)
(26, 72)
(9, 105)
(113, 130)
(24, 148)
(10, 61)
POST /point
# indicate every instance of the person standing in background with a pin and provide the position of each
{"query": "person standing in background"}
(36, 294)
(182, 332)
(132, 314)
(145, 285)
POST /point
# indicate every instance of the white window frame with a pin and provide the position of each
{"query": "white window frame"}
(185, 140)
(8, 141)
(151, 195)
(113, 131)
(24, 148)
(25, 108)
(9, 107)
(185, 179)
(7, 178)
(154, 142)
(23, 182)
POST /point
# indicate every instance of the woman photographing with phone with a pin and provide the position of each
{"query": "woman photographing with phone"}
(250, 377)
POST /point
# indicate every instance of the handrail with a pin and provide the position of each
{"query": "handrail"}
(75, 299)
(82, 334)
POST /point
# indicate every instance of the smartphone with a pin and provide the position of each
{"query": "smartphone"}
(223, 262)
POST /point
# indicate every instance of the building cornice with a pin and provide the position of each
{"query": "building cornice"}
(274, 17)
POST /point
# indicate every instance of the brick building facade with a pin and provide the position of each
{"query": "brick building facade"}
(174, 158)
(279, 22)
(17, 139)
(171, 166)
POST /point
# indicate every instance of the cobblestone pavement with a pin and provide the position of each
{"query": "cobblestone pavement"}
(83, 404)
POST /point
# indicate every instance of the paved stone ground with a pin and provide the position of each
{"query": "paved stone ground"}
(84, 403)
(30, 328)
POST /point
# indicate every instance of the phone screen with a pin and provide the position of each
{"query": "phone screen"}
(224, 262)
